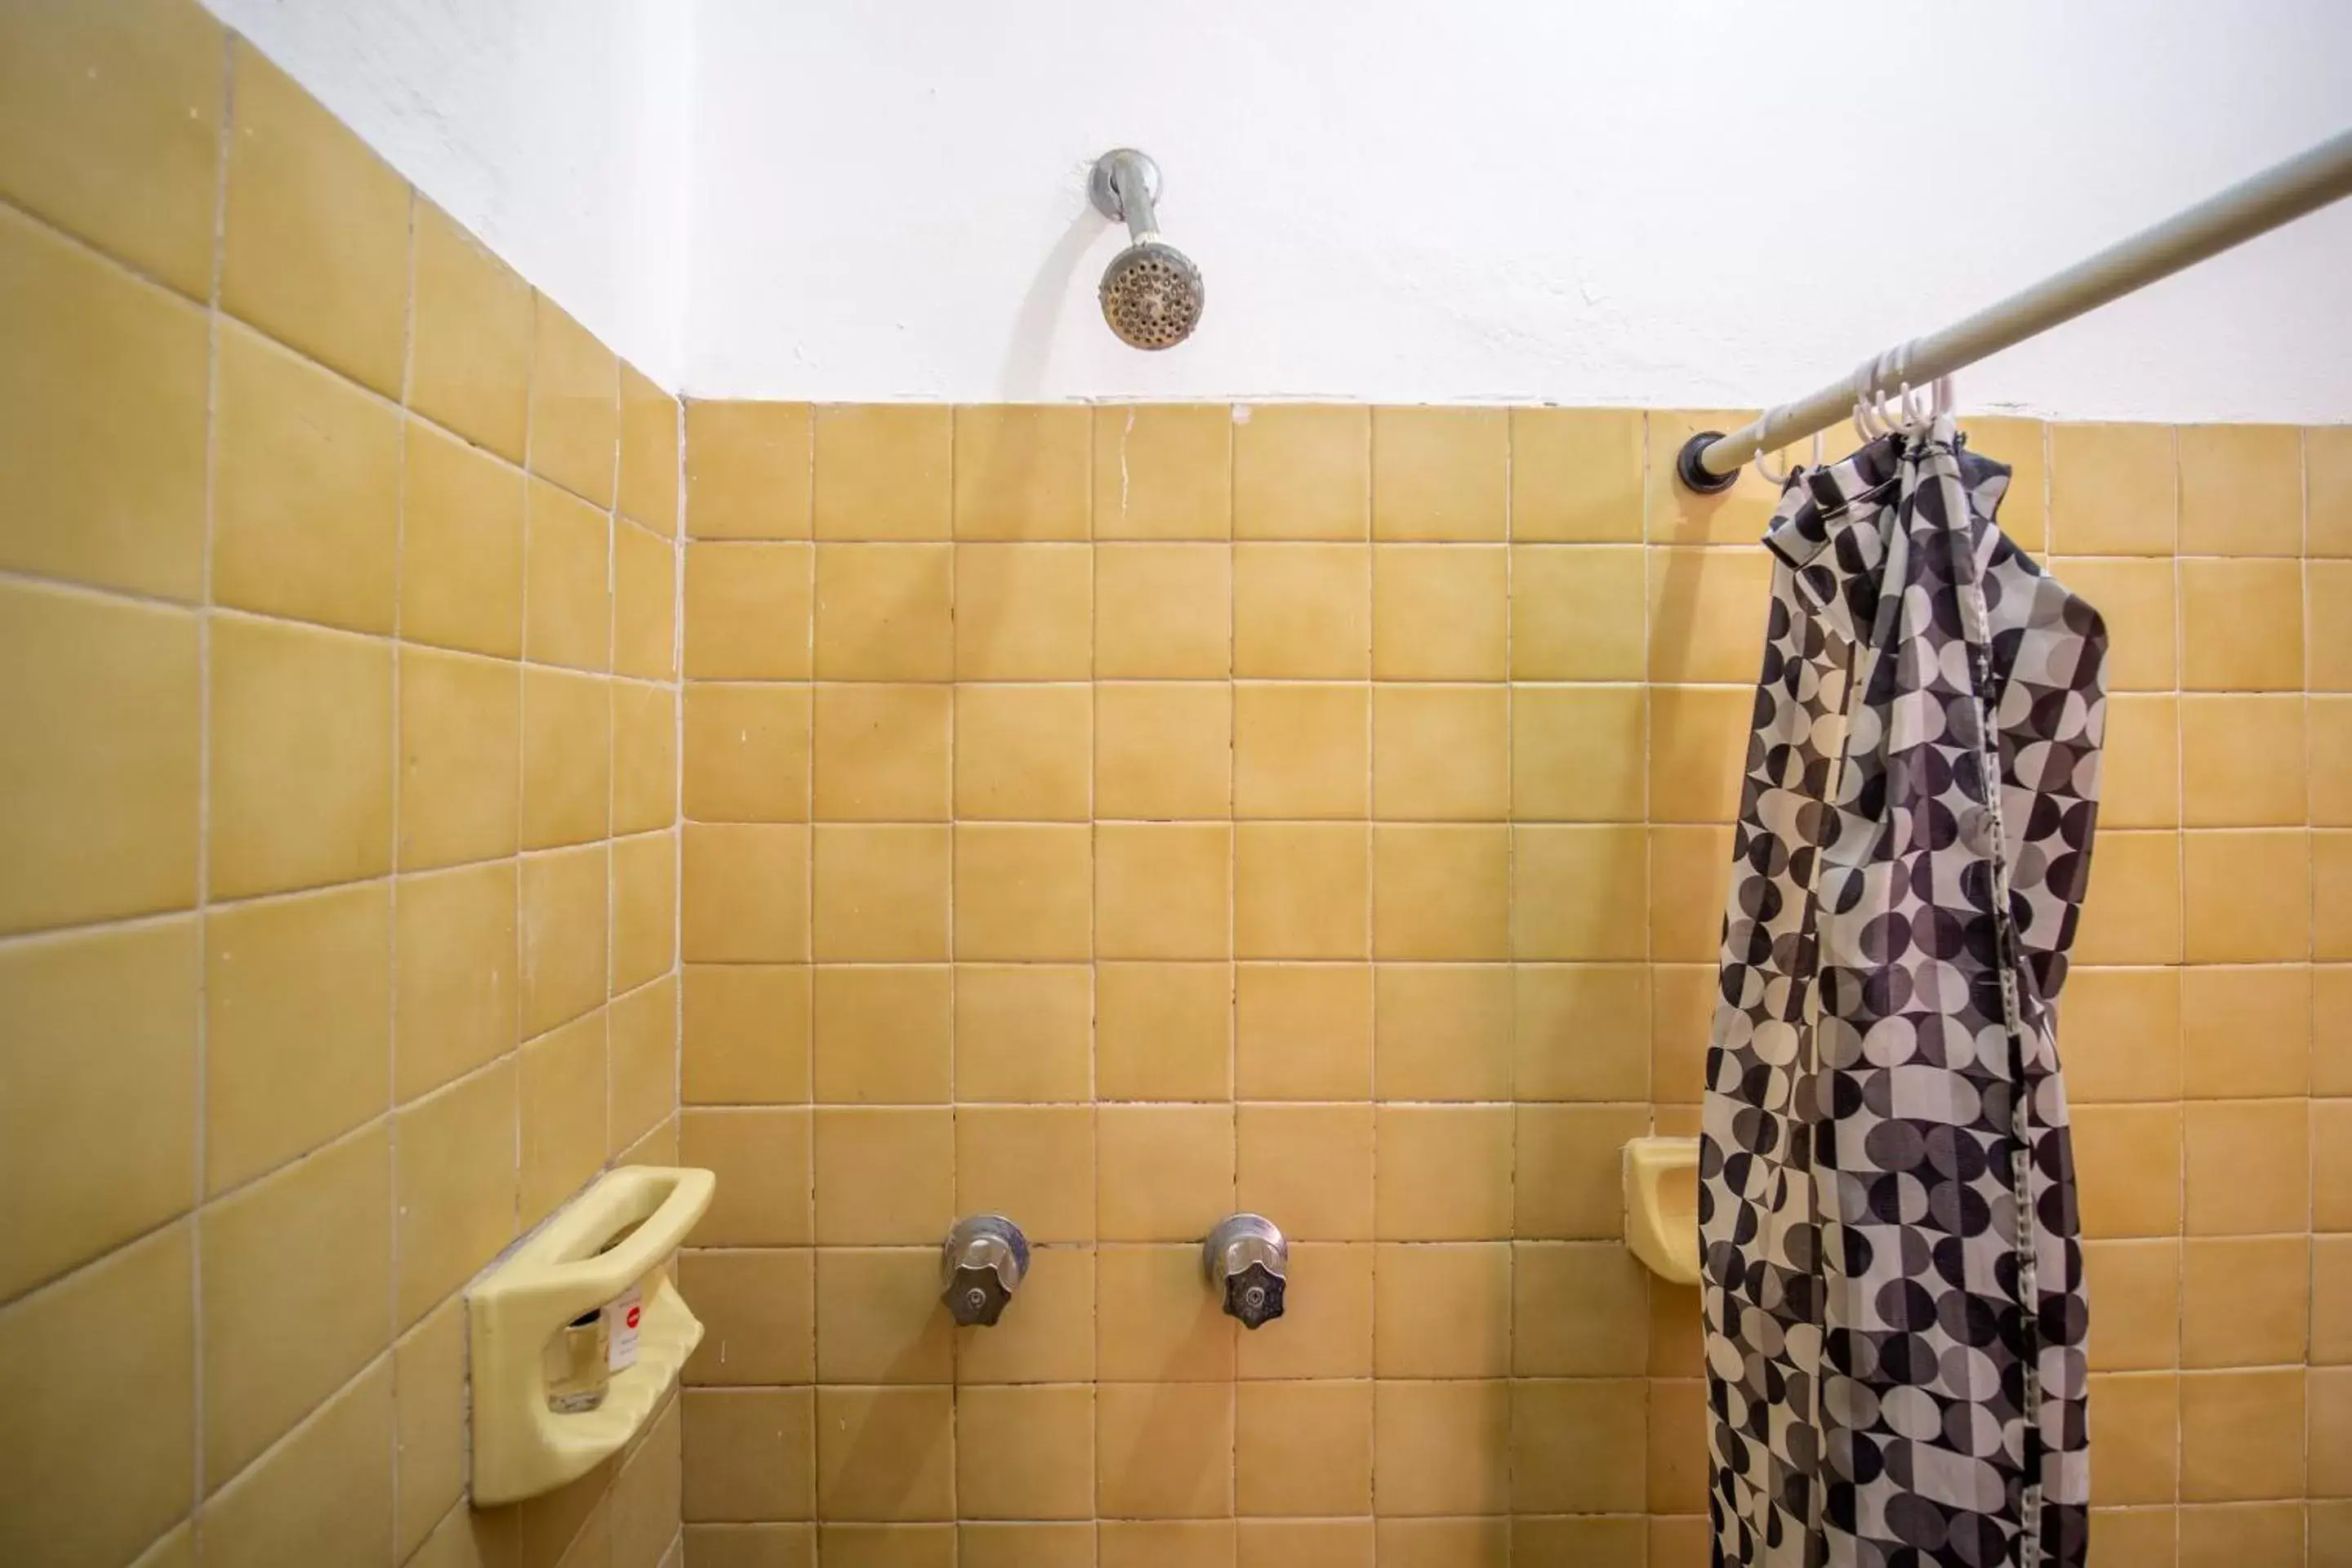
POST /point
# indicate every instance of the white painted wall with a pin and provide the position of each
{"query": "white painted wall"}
(556, 130)
(1665, 202)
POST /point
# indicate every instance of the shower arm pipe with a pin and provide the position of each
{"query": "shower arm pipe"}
(1130, 178)
(2279, 195)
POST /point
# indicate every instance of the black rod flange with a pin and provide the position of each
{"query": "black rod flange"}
(1694, 476)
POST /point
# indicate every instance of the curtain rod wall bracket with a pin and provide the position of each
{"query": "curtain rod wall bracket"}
(1695, 475)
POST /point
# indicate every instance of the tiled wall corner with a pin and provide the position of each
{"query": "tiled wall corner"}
(338, 697)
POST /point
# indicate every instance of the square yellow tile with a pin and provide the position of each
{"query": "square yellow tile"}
(1026, 1453)
(2327, 724)
(1578, 893)
(99, 703)
(1440, 473)
(645, 921)
(2123, 1034)
(469, 353)
(1303, 1449)
(1024, 752)
(1035, 1161)
(1576, 475)
(1698, 752)
(454, 1172)
(461, 757)
(2137, 1429)
(575, 404)
(2241, 626)
(1443, 1173)
(1164, 1031)
(2248, 896)
(1301, 750)
(1165, 1451)
(1053, 1339)
(645, 604)
(1707, 612)
(1690, 872)
(756, 1459)
(1163, 890)
(561, 917)
(1579, 1446)
(1312, 1164)
(2245, 1300)
(1023, 1031)
(2330, 588)
(1163, 750)
(881, 893)
(1566, 1177)
(1302, 470)
(1301, 891)
(761, 1305)
(1153, 1324)
(301, 757)
(1577, 751)
(1441, 753)
(105, 383)
(2328, 488)
(306, 496)
(762, 1161)
(882, 753)
(744, 1036)
(884, 1176)
(1302, 612)
(879, 1317)
(1577, 614)
(1679, 516)
(1303, 1031)
(112, 132)
(1023, 471)
(2137, 599)
(2113, 490)
(113, 1015)
(461, 546)
(1681, 1015)
(2249, 1167)
(1442, 1031)
(567, 580)
(1024, 612)
(644, 757)
(905, 1436)
(1163, 612)
(1580, 1309)
(429, 1369)
(2246, 1031)
(747, 468)
(1163, 470)
(1023, 891)
(2145, 1273)
(1439, 612)
(128, 1443)
(1163, 1172)
(1440, 891)
(749, 611)
(2127, 1161)
(567, 750)
(652, 445)
(881, 1034)
(884, 471)
(1325, 1328)
(315, 250)
(2241, 489)
(2239, 1435)
(2133, 911)
(746, 893)
(885, 612)
(747, 753)
(2139, 769)
(280, 1334)
(1443, 1448)
(455, 952)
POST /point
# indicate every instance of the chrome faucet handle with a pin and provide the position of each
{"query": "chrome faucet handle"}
(1248, 1262)
(981, 1263)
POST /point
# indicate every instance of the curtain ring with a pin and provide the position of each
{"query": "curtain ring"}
(1779, 479)
(1866, 424)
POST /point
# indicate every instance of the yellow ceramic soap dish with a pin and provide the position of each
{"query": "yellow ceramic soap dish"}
(614, 1236)
(1662, 1205)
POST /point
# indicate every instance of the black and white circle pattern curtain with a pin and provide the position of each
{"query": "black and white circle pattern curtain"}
(1891, 1272)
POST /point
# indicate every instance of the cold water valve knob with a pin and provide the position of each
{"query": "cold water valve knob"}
(981, 1265)
(1247, 1262)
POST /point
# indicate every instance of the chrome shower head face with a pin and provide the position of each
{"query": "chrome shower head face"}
(1152, 295)
(1151, 292)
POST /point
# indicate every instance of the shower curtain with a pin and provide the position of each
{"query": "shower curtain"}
(1891, 1274)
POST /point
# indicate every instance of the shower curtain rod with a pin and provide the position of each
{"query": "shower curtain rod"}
(1711, 460)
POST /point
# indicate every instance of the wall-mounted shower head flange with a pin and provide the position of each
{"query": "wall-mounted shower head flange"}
(1693, 474)
(1140, 173)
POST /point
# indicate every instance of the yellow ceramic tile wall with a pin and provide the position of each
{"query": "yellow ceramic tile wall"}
(292, 999)
(1342, 835)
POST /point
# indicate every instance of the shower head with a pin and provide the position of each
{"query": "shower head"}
(1151, 292)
